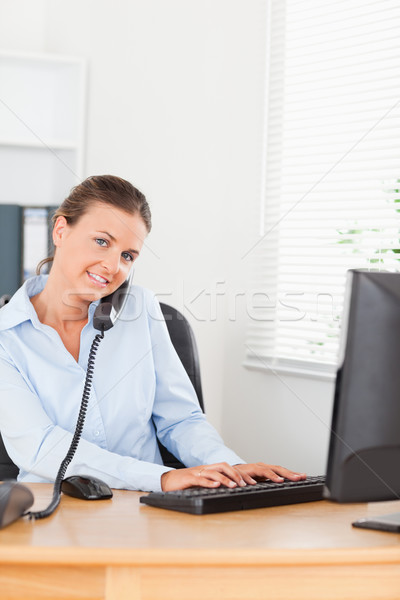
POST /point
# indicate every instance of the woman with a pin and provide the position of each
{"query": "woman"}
(139, 385)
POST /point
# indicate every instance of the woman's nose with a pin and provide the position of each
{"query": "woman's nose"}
(112, 262)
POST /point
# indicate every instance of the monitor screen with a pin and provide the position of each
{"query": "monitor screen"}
(364, 452)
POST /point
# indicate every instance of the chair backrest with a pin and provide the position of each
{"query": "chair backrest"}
(184, 342)
(7, 468)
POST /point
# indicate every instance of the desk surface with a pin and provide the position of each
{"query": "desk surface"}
(121, 533)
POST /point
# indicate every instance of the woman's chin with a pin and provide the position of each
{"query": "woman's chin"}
(82, 297)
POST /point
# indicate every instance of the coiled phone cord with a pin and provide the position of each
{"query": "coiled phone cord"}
(42, 514)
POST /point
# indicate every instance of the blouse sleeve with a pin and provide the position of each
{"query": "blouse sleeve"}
(37, 446)
(181, 425)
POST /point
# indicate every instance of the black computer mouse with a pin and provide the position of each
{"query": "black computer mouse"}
(86, 487)
(15, 499)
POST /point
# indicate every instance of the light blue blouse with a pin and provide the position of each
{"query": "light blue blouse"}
(139, 383)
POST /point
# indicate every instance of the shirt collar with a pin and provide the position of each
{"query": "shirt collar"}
(20, 308)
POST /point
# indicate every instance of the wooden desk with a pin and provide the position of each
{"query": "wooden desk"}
(117, 549)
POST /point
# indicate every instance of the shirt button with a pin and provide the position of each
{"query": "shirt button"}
(97, 433)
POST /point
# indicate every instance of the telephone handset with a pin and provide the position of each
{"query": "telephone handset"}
(105, 315)
(110, 307)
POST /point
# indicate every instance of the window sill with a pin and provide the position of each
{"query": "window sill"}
(297, 368)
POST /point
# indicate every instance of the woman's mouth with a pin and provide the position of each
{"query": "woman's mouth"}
(97, 279)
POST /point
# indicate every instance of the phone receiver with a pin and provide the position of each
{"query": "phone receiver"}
(111, 306)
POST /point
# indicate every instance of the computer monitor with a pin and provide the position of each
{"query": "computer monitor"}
(364, 452)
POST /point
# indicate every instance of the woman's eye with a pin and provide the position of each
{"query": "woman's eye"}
(127, 256)
(101, 242)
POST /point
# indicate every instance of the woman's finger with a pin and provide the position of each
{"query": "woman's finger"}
(226, 470)
(223, 474)
(287, 474)
(275, 473)
(247, 478)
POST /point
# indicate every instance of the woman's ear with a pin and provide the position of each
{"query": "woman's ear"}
(59, 230)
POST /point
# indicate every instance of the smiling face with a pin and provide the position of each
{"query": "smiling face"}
(94, 256)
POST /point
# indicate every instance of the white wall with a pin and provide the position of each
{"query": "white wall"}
(176, 93)
(22, 25)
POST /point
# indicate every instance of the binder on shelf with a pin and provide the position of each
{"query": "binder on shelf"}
(25, 239)
(11, 217)
(36, 239)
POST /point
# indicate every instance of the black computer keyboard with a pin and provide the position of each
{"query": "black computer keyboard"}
(201, 501)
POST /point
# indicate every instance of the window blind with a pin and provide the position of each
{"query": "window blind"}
(332, 173)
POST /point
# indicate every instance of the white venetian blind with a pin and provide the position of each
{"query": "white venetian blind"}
(332, 172)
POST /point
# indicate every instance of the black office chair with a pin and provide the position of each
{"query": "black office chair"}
(7, 468)
(184, 342)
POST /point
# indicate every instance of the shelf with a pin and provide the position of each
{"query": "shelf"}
(34, 178)
(41, 57)
(40, 144)
(42, 126)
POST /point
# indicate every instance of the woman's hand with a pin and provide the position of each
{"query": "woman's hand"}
(263, 471)
(212, 476)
